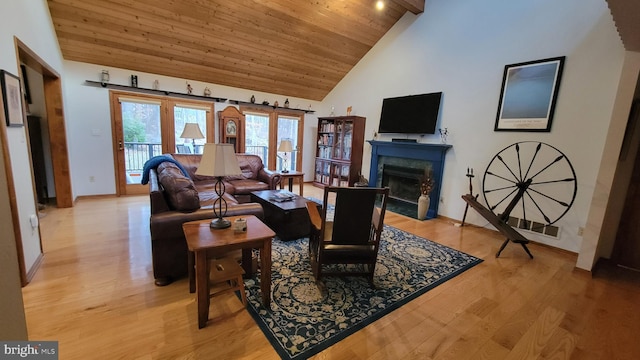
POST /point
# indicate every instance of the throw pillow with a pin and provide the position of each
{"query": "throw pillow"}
(179, 190)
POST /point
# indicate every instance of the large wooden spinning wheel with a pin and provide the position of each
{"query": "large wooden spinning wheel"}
(532, 181)
(529, 183)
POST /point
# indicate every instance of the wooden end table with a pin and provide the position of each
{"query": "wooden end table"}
(207, 243)
(291, 175)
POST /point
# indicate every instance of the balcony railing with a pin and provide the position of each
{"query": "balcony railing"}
(136, 154)
(261, 151)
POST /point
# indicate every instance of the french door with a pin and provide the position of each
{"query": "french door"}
(288, 129)
(145, 126)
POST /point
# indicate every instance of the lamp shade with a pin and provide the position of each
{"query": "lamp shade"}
(218, 160)
(285, 146)
(191, 131)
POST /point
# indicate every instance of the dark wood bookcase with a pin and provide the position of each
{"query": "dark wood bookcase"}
(339, 150)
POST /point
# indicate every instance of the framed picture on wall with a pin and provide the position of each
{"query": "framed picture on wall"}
(11, 98)
(528, 95)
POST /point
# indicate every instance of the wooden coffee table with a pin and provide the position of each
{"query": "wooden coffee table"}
(209, 243)
(289, 219)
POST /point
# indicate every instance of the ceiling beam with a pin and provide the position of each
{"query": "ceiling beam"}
(415, 6)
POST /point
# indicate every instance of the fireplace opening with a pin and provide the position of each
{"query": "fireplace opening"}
(403, 183)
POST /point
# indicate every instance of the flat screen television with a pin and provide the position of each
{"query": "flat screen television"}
(413, 114)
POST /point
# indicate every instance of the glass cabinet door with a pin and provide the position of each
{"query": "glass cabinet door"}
(338, 146)
(346, 140)
(339, 175)
(323, 172)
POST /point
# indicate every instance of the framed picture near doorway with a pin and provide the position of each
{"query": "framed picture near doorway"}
(528, 95)
(11, 99)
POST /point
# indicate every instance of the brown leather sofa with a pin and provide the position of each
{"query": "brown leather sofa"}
(176, 199)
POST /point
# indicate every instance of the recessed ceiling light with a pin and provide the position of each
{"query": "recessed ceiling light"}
(379, 4)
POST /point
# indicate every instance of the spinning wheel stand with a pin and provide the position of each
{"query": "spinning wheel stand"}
(537, 170)
(466, 208)
(499, 224)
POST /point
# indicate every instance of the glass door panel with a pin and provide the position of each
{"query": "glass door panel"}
(337, 149)
(140, 139)
(339, 175)
(347, 135)
(257, 135)
(323, 171)
(190, 128)
(288, 128)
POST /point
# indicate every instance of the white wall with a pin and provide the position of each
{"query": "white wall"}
(600, 231)
(88, 113)
(461, 48)
(30, 22)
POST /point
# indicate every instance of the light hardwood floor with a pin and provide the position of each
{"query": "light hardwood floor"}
(95, 295)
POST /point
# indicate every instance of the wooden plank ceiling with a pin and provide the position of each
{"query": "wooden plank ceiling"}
(297, 48)
(626, 14)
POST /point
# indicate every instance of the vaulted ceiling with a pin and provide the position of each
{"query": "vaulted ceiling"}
(298, 48)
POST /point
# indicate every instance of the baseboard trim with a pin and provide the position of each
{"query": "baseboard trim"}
(93, 197)
(34, 269)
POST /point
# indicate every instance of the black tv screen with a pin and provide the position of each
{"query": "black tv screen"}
(414, 114)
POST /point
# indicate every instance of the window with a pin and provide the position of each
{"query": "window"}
(265, 129)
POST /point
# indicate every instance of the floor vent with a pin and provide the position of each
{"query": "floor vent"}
(534, 227)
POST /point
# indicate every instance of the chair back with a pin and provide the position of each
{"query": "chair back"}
(355, 208)
(183, 149)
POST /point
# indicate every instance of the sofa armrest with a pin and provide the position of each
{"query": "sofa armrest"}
(156, 194)
(272, 178)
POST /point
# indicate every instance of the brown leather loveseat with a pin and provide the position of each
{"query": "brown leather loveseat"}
(177, 198)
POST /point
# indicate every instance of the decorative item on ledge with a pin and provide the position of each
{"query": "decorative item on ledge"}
(183, 95)
(443, 135)
(104, 78)
(152, 91)
(237, 102)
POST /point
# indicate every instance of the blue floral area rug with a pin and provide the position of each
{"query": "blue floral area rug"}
(305, 319)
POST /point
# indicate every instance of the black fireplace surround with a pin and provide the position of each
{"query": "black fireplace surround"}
(401, 167)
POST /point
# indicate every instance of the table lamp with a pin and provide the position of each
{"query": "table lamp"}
(219, 160)
(285, 147)
(192, 131)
